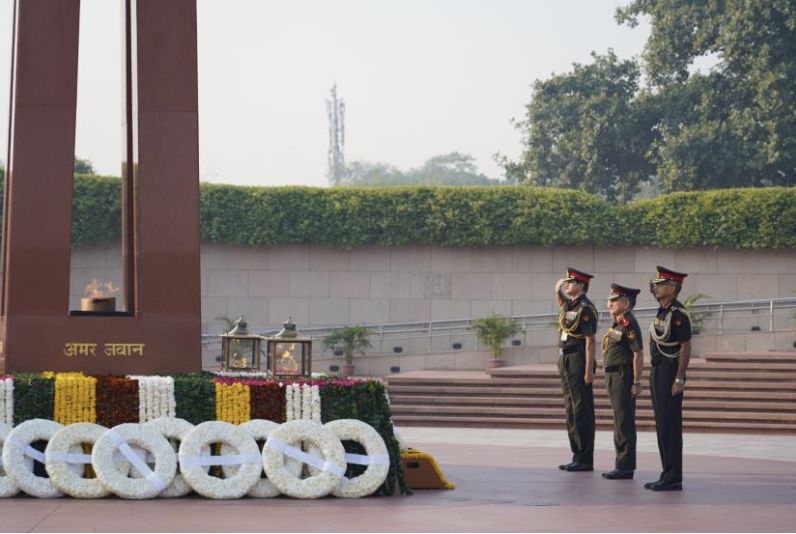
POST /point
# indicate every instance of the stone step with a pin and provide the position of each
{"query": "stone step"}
(529, 422)
(771, 357)
(741, 367)
(693, 383)
(697, 372)
(558, 412)
(602, 402)
(517, 392)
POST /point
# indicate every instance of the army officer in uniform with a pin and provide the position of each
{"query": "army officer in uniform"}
(670, 348)
(624, 363)
(577, 324)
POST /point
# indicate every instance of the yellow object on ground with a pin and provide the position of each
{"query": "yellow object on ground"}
(423, 472)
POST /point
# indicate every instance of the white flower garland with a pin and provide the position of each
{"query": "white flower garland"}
(297, 401)
(16, 449)
(7, 401)
(331, 467)
(155, 397)
(260, 429)
(306, 401)
(192, 460)
(302, 401)
(376, 458)
(7, 486)
(64, 454)
(316, 404)
(175, 429)
(121, 438)
(289, 416)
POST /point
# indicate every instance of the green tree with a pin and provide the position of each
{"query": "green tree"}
(454, 168)
(586, 130)
(735, 125)
(84, 166)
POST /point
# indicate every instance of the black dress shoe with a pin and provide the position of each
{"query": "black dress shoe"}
(577, 466)
(667, 486)
(564, 467)
(619, 474)
(649, 485)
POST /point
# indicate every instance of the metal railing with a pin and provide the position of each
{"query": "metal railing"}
(718, 317)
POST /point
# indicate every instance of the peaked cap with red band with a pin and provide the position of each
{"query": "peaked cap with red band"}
(666, 275)
(618, 291)
(579, 276)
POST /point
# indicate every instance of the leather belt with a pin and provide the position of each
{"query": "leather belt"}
(661, 361)
(569, 349)
(618, 367)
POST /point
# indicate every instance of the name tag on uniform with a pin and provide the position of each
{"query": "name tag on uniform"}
(564, 336)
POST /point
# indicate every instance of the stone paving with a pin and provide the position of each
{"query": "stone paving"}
(507, 480)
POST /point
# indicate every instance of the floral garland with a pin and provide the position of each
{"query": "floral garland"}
(34, 396)
(197, 394)
(75, 398)
(7, 400)
(233, 402)
(268, 402)
(117, 400)
(365, 400)
(289, 416)
(155, 397)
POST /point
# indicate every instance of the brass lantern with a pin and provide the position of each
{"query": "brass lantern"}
(240, 349)
(290, 354)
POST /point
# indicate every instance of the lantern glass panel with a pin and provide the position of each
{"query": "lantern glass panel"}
(289, 358)
(242, 354)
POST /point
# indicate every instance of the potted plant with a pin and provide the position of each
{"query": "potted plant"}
(697, 317)
(493, 331)
(349, 339)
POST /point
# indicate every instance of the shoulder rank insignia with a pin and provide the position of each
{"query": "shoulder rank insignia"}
(631, 335)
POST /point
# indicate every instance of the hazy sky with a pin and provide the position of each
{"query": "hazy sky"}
(419, 77)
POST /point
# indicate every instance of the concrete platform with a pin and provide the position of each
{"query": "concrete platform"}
(507, 480)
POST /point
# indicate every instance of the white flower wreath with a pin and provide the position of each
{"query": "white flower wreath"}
(17, 447)
(175, 429)
(260, 429)
(7, 486)
(192, 460)
(120, 438)
(376, 458)
(65, 461)
(331, 466)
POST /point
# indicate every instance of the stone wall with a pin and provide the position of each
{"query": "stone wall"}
(321, 286)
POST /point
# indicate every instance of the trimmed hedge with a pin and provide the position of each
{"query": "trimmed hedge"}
(460, 216)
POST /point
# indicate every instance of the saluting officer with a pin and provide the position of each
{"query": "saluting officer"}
(623, 364)
(577, 324)
(670, 348)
